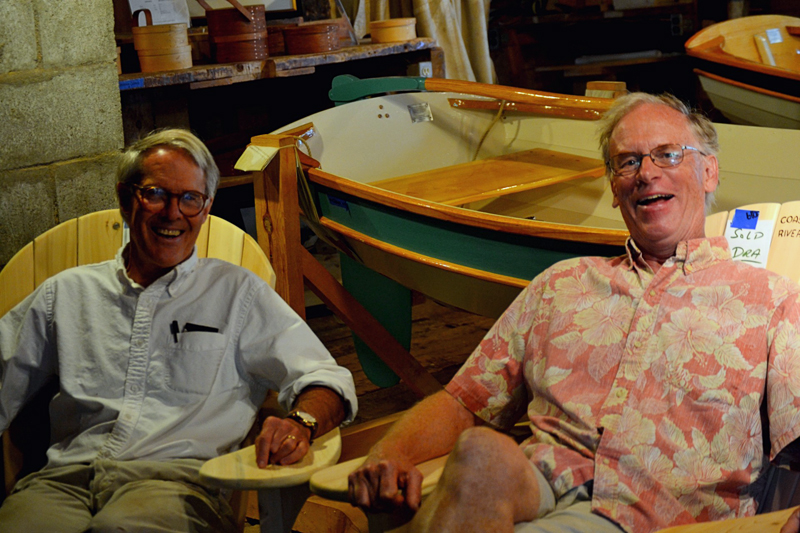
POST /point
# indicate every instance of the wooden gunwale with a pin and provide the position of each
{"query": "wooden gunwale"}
(423, 259)
(747, 86)
(725, 58)
(533, 228)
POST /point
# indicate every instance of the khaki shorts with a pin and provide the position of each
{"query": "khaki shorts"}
(572, 513)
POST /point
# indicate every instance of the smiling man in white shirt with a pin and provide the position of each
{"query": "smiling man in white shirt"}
(162, 361)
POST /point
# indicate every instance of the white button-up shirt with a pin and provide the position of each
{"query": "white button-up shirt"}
(174, 370)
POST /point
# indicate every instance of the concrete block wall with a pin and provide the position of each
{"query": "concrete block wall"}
(60, 115)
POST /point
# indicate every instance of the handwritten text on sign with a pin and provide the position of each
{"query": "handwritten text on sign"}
(749, 237)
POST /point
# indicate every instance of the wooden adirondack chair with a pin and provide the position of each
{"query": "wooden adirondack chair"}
(97, 237)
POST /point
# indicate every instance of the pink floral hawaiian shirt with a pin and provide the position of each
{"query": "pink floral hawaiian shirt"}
(649, 384)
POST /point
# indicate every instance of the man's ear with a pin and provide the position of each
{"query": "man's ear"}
(711, 174)
(615, 201)
(125, 196)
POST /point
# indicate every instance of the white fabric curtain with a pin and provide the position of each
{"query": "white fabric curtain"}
(459, 27)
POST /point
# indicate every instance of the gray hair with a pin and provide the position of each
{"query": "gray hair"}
(130, 171)
(701, 126)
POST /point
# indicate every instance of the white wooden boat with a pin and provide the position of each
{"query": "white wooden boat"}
(750, 69)
(478, 251)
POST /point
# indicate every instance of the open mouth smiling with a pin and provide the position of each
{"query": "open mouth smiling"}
(166, 232)
(648, 200)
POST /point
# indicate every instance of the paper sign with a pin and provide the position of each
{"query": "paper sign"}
(744, 219)
(750, 244)
(774, 36)
(255, 158)
(163, 11)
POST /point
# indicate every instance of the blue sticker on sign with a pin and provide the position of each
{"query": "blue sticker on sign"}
(744, 219)
(339, 203)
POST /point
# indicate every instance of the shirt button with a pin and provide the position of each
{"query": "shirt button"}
(138, 343)
(620, 393)
(652, 293)
(134, 389)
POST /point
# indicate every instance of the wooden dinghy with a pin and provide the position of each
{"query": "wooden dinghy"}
(750, 69)
(472, 243)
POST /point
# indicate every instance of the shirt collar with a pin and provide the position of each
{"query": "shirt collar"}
(691, 255)
(172, 280)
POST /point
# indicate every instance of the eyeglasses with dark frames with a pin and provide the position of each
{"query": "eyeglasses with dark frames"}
(154, 198)
(664, 156)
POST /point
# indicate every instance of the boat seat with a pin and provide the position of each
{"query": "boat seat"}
(494, 177)
(97, 237)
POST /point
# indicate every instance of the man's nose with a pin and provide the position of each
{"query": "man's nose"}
(648, 169)
(172, 207)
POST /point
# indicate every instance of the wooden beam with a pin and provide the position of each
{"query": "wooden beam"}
(367, 327)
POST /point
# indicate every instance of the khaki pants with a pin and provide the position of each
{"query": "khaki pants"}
(118, 496)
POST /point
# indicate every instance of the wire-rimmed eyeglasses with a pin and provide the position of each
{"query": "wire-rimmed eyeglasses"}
(154, 198)
(664, 156)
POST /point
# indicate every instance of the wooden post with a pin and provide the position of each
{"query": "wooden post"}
(278, 219)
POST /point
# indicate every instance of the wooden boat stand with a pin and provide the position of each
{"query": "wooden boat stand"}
(278, 232)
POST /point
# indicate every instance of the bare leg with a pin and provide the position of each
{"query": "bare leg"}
(487, 485)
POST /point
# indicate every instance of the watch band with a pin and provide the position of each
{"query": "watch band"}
(305, 420)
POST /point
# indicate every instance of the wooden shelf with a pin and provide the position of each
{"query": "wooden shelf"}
(203, 76)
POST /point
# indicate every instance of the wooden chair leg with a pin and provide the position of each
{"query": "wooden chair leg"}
(278, 508)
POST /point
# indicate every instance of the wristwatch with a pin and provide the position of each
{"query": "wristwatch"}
(305, 420)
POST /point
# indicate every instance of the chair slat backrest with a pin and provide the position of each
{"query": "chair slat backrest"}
(90, 239)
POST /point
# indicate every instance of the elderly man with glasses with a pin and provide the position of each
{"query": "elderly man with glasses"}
(658, 384)
(163, 360)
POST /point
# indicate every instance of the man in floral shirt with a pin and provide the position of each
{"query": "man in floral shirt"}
(648, 378)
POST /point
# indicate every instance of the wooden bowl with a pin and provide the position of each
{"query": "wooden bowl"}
(393, 30)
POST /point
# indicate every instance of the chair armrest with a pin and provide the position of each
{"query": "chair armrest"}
(761, 523)
(331, 482)
(238, 470)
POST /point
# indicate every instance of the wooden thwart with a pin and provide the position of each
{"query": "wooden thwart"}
(498, 176)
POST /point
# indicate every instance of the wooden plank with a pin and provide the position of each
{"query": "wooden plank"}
(16, 279)
(202, 239)
(55, 250)
(254, 259)
(491, 178)
(99, 236)
(715, 224)
(225, 241)
(784, 253)
(538, 109)
(238, 470)
(331, 482)
(278, 219)
(363, 324)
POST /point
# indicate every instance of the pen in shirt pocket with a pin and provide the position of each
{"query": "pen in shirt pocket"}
(174, 329)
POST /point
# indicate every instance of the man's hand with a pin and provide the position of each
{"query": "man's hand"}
(281, 442)
(793, 524)
(385, 485)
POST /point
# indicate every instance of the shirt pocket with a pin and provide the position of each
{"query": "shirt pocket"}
(193, 363)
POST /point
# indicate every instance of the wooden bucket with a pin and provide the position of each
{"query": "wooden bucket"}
(275, 40)
(236, 38)
(162, 47)
(311, 39)
(160, 59)
(393, 30)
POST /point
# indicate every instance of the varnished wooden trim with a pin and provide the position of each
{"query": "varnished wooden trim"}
(550, 110)
(547, 230)
(423, 259)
